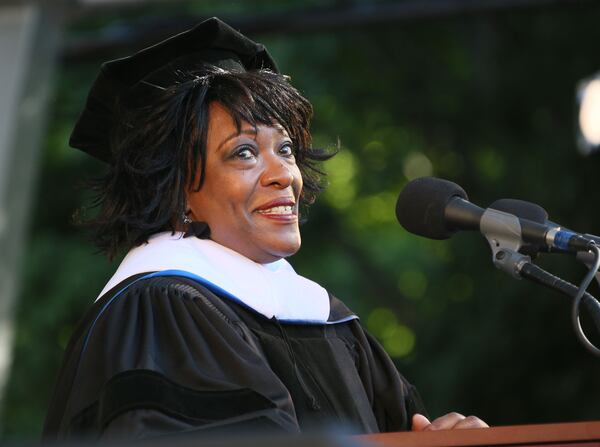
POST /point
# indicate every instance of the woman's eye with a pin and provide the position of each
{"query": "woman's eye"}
(286, 150)
(244, 153)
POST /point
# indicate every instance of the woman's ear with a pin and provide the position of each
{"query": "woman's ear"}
(193, 214)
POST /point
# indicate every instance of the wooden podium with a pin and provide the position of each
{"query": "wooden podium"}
(576, 434)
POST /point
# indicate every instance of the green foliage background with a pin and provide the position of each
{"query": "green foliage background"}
(486, 101)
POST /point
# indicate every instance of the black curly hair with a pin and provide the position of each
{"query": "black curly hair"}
(160, 139)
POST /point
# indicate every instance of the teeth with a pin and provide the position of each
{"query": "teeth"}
(277, 210)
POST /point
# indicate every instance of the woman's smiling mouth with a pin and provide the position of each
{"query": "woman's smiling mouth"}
(279, 209)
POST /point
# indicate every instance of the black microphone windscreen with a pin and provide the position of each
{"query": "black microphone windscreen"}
(422, 203)
(522, 209)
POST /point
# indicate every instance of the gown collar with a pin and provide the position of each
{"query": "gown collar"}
(273, 290)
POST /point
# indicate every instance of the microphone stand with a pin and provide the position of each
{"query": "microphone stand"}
(506, 257)
(503, 233)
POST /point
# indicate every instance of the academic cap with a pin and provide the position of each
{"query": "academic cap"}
(211, 41)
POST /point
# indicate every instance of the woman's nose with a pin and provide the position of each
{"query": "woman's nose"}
(276, 172)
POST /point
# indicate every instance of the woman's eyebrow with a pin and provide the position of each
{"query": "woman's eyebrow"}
(280, 128)
(236, 134)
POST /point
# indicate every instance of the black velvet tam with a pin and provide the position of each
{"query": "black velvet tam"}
(212, 41)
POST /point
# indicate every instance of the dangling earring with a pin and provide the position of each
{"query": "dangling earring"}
(195, 228)
(199, 229)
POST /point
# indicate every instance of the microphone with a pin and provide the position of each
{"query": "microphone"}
(522, 209)
(437, 208)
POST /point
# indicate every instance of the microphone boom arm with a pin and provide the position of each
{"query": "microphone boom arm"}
(503, 233)
(520, 266)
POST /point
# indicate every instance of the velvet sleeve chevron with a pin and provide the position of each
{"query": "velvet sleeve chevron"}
(164, 357)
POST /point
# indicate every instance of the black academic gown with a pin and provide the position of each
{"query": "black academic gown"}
(167, 355)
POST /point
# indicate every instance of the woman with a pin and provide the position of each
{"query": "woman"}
(204, 326)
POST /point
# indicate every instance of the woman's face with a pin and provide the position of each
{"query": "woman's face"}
(251, 188)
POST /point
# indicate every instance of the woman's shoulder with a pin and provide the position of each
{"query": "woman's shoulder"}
(148, 314)
(161, 292)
